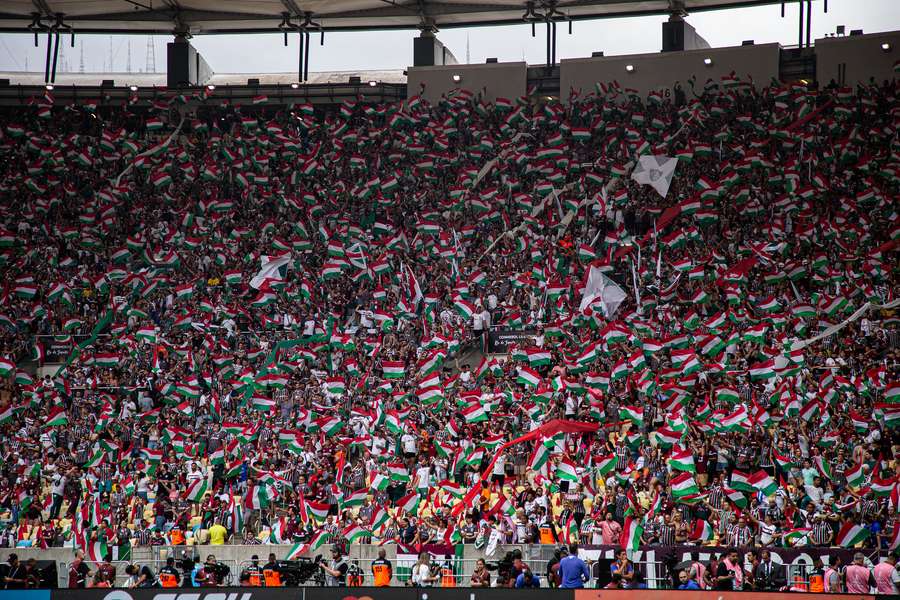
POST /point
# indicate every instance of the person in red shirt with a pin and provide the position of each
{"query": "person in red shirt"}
(78, 571)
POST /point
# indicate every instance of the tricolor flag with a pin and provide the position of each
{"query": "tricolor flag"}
(528, 377)
(409, 504)
(631, 534)
(741, 481)
(56, 417)
(196, 490)
(851, 534)
(635, 414)
(682, 459)
(703, 531)
(317, 541)
(393, 369)
(763, 482)
(683, 485)
(354, 532)
(855, 476)
(566, 470)
(474, 413)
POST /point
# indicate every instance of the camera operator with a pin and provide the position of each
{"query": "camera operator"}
(335, 569)
(217, 574)
(187, 569)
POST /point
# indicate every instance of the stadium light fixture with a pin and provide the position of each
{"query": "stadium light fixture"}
(707, 61)
(295, 85)
(133, 88)
(456, 78)
(49, 86)
(373, 83)
(629, 68)
(885, 47)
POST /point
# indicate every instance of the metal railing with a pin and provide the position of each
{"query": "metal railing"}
(457, 572)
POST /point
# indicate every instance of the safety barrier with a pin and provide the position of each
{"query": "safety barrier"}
(372, 593)
(456, 572)
(656, 566)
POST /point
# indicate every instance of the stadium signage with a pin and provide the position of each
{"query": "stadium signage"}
(122, 595)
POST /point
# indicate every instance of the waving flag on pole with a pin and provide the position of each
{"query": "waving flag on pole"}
(631, 534)
(600, 288)
(655, 171)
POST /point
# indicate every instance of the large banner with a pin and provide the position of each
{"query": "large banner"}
(58, 348)
(499, 340)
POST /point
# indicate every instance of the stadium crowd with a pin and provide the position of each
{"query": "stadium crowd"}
(277, 320)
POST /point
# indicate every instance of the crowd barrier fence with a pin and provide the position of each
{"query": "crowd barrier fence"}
(372, 593)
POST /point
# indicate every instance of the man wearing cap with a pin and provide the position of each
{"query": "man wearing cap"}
(335, 569)
(168, 575)
(13, 574)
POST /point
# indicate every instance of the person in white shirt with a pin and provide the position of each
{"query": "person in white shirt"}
(423, 478)
(421, 573)
(365, 319)
(193, 473)
(128, 409)
(309, 327)
(409, 444)
(478, 321)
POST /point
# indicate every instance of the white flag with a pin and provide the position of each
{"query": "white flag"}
(655, 171)
(600, 288)
(270, 269)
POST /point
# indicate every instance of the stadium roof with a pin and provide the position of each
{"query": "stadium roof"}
(258, 16)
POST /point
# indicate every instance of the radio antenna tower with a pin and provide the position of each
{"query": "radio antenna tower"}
(81, 62)
(151, 56)
(128, 61)
(467, 50)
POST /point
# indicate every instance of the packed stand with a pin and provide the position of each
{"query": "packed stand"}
(273, 314)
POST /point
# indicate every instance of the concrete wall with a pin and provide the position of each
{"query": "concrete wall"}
(859, 57)
(661, 71)
(498, 80)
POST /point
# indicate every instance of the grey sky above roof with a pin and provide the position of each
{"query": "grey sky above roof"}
(217, 16)
(366, 50)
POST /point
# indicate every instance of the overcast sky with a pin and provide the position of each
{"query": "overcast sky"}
(265, 53)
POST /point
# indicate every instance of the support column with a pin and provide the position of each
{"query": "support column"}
(428, 51)
(185, 65)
